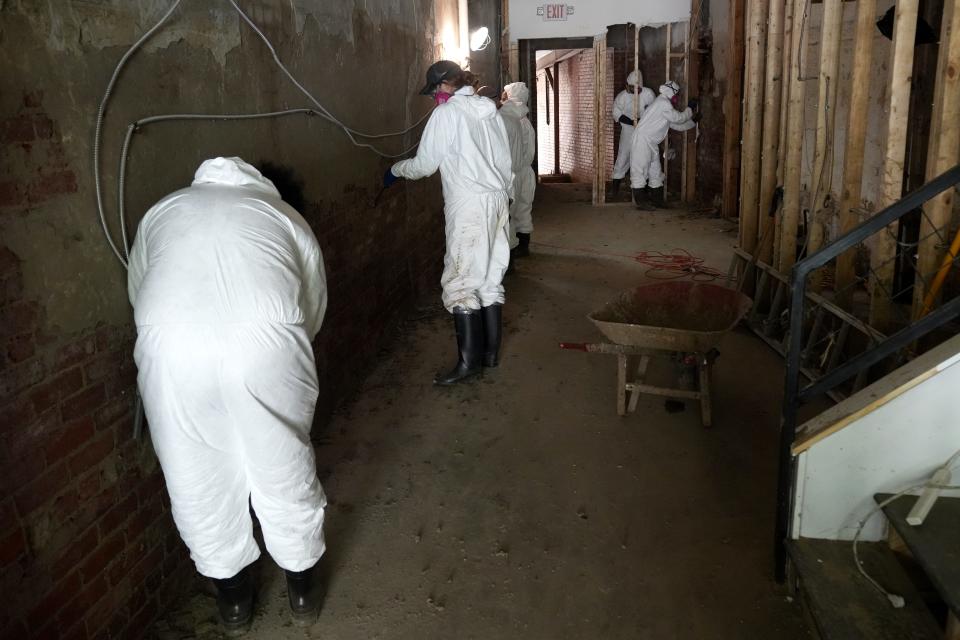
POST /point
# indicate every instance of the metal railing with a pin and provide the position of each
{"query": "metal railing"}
(891, 350)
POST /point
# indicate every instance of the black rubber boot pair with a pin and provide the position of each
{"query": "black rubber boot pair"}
(614, 188)
(235, 599)
(478, 343)
(522, 250)
(656, 197)
(641, 201)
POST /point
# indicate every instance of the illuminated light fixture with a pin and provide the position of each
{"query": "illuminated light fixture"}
(479, 39)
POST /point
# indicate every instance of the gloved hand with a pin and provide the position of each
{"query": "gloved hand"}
(696, 116)
(625, 120)
(389, 178)
(693, 103)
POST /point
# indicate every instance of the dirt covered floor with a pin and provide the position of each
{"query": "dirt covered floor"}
(520, 505)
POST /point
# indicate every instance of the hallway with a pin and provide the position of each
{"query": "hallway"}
(521, 506)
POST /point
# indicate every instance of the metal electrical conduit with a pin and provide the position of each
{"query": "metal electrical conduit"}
(320, 111)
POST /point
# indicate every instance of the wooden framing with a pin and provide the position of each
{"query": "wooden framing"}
(821, 178)
(599, 119)
(772, 95)
(732, 111)
(790, 220)
(883, 253)
(856, 140)
(942, 153)
(785, 68)
(752, 123)
(693, 87)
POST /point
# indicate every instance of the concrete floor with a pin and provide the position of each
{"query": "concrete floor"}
(520, 505)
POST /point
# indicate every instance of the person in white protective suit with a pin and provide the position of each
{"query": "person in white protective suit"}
(466, 140)
(627, 111)
(657, 120)
(228, 290)
(523, 148)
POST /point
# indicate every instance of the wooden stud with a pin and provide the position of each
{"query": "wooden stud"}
(706, 411)
(732, 110)
(752, 123)
(599, 119)
(822, 177)
(772, 94)
(884, 250)
(942, 154)
(785, 70)
(693, 88)
(856, 140)
(794, 138)
(666, 139)
(621, 384)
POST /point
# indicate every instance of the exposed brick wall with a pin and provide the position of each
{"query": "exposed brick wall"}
(87, 549)
(576, 118)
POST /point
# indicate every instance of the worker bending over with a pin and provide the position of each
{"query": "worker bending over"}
(627, 110)
(646, 174)
(523, 148)
(465, 139)
(228, 290)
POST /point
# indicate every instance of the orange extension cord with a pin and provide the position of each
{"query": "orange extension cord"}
(660, 266)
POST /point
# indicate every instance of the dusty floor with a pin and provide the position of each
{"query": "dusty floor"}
(521, 506)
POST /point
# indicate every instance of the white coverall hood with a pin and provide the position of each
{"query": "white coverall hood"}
(669, 89)
(523, 148)
(517, 92)
(635, 78)
(466, 139)
(234, 172)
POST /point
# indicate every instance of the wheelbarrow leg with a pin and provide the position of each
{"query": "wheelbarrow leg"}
(641, 375)
(706, 414)
(621, 384)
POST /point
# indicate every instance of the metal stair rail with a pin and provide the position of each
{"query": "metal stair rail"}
(800, 385)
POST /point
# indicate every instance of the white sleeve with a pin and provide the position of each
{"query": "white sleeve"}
(617, 108)
(436, 140)
(137, 266)
(683, 126)
(646, 98)
(314, 293)
(530, 142)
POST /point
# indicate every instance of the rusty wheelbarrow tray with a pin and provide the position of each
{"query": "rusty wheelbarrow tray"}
(663, 319)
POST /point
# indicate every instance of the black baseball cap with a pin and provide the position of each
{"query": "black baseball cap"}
(437, 73)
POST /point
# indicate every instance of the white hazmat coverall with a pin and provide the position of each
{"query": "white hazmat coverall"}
(523, 148)
(657, 120)
(228, 290)
(466, 139)
(623, 106)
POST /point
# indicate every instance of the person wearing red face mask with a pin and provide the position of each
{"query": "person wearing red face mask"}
(467, 141)
(646, 174)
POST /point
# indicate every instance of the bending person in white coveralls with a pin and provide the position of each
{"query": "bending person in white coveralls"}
(466, 140)
(627, 111)
(657, 120)
(228, 290)
(523, 148)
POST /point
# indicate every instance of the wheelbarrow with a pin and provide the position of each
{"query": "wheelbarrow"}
(679, 319)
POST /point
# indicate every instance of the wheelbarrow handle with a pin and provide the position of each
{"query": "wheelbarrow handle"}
(575, 346)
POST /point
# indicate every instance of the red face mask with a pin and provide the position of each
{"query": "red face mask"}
(675, 100)
(440, 97)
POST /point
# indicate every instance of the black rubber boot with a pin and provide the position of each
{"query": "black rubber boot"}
(235, 602)
(305, 593)
(492, 322)
(640, 200)
(469, 327)
(522, 250)
(656, 197)
(614, 188)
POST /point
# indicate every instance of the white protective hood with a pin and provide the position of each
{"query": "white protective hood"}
(234, 172)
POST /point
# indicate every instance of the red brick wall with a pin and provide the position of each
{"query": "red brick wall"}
(86, 540)
(576, 118)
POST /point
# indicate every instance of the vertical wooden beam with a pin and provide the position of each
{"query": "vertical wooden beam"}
(772, 94)
(752, 124)
(599, 117)
(822, 177)
(732, 110)
(942, 153)
(785, 70)
(693, 89)
(794, 152)
(882, 257)
(666, 139)
(856, 140)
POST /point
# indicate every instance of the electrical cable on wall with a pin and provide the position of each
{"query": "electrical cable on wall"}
(321, 111)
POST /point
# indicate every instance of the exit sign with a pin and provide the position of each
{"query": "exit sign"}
(555, 12)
